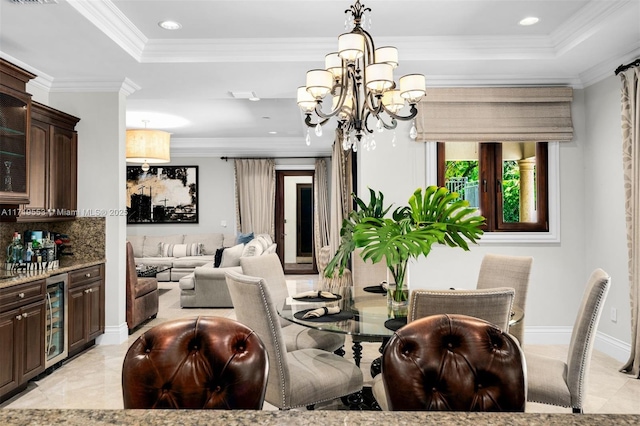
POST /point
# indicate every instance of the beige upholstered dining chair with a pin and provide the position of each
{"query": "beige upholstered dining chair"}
(367, 273)
(493, 305)
(556, 382)
(295, 336)
(337, 280)
(298, 378)
(499, 270)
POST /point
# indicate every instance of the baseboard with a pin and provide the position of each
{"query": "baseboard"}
(613, 347)
(547, 335)
(604, 343)
(114, 335)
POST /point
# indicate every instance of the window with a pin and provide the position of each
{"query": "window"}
(507, 182)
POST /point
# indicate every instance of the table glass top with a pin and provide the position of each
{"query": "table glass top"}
(370, 310)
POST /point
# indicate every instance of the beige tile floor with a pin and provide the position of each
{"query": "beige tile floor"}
(92, 379)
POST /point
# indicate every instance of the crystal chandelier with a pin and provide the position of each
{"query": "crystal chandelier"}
(359, 79)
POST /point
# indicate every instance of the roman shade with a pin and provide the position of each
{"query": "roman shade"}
(495, 114)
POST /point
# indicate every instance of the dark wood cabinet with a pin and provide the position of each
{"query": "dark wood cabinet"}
(86, 307)
(22, 324)
(15, 108)
(53, 165)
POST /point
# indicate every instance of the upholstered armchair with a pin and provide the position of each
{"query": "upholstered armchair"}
(454, 363)
(141, 294)
(195, 363)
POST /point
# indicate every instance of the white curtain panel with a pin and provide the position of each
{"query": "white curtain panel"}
(341, 189)
(321, 207)
(255, 195)
(631, 164)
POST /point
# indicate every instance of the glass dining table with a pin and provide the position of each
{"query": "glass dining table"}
(364, 314)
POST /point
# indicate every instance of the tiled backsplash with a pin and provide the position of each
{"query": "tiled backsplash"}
(87, 236)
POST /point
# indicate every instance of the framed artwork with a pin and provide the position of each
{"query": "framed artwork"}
(162, 194)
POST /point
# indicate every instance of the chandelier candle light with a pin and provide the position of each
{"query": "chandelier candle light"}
(359, 79)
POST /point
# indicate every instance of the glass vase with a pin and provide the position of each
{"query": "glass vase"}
(398, 301)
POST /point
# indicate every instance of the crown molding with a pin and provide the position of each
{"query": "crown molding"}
(607, 67)
(111, 21)
(256, 147)
(587, 22)
(108, 18)
(126, 86)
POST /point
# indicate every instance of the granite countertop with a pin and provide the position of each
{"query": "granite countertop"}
(66, 265)
(295, 417)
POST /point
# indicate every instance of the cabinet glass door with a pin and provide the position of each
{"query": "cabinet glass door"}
(13, 148)
(55, 339)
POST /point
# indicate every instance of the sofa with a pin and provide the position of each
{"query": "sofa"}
(183, 253)
(206, 286)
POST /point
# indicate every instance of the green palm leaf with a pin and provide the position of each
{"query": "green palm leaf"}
(433, 215)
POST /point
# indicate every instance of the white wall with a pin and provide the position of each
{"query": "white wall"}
(216, 200)
(101, 187)
(559, 272)
(605, 232)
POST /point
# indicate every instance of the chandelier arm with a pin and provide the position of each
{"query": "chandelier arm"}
(391, 126)
(412, 113)
(365, 125)
(324, 115)
(308, 122)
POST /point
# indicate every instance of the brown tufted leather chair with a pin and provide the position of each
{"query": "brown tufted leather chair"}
(453, 363)
(192, 363)
(141, 294)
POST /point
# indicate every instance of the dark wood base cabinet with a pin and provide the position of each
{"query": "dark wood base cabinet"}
(86, 307)
(22, 325)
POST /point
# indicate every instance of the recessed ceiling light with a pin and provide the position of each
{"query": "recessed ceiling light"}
(530, 20)
(273, 132)
(245, 95)
(170, 25)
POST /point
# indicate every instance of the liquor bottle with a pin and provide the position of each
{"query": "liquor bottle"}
(48, 248)
(29, 253)
(15, 249)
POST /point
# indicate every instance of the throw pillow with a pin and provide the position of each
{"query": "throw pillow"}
(217, 259)
(254, 248)
(244, 238)
(180, 250)
(231, 256)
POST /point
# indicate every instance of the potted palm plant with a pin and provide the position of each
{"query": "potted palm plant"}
(433, 215)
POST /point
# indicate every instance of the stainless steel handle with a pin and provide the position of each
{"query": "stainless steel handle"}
(87, 290)
(24, 315)
(21, 295)
(19, 317)
(88, 275)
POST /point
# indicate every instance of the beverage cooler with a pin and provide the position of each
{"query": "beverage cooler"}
(57, 311)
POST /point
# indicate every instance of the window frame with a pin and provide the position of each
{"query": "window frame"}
(551, 234)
